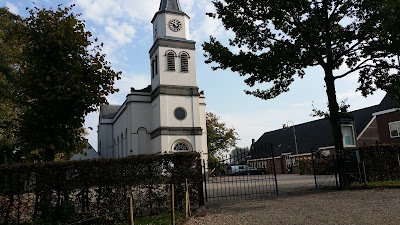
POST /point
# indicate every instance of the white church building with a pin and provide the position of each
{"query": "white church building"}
(169, 115)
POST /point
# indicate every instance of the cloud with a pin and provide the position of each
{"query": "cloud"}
(208, 26)
(122, 33)
(137, 81)
(92, 120)
(13, 8)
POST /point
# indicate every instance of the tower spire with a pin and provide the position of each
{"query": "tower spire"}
(170, 5)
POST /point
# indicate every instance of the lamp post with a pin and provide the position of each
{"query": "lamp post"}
(295, 139)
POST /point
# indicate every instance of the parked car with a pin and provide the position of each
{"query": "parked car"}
(245, 170)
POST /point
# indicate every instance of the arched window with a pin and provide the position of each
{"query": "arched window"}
(184, 62)
(181, 145)
(118, 155)
(122, 145)
(126, 142)
(115, 148)
(170, 60)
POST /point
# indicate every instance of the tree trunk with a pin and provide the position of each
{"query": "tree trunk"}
(49, 155)
(333, 110)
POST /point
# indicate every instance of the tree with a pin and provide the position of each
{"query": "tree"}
(10, 55)
(282, 38)
(63, 77)
(219, 137)
(238, 155)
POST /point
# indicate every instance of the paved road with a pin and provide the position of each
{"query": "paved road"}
(374, 207)
(229, 187)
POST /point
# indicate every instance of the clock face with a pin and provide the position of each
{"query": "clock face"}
(175, 25)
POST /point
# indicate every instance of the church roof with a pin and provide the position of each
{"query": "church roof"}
(146, 89)
(170, 5)
(314, 134)
(108, 111)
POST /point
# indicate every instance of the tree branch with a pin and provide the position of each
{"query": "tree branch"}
(359, 66)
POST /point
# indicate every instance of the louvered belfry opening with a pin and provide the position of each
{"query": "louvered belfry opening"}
(154, 67)
(184, 62)
(170, 60)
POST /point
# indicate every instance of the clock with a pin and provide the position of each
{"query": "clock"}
(175, 25)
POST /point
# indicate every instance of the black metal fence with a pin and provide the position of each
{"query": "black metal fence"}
(325, 170)
(232, 178)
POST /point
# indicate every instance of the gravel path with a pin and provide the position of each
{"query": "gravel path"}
(373, 206)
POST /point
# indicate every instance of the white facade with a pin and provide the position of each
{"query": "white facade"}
(169, 115)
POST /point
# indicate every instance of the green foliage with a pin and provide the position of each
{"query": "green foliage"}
(381, 162)
(96, 190)
(10, 54)
(278, 40)
(323, 166)
(219, 137)
(239, 151)
(163, 219)
(305, 166)
(238, 155)
(53, 74)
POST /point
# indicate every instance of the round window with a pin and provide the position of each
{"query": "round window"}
(181, 147)
(180, 113)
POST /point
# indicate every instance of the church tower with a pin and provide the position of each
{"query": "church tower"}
(169, 115)
(177, 105)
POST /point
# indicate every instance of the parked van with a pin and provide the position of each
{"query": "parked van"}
(244, 169)
(237, 169)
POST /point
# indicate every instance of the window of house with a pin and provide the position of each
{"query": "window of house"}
(394, 129)
(184, 62)
(170, 60)
(348, 136)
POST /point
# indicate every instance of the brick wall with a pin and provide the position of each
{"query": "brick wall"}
(383, 127)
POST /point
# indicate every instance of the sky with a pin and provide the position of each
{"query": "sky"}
(124, 26)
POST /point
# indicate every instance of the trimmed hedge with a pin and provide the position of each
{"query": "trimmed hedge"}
(96, 190)
(382, 162)
(323, 166)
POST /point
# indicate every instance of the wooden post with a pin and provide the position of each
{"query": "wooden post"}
(172, 205)
(364, 173)
(187, 205)
(131, 210)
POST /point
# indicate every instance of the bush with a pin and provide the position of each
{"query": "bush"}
(96, 189)
(382, 162)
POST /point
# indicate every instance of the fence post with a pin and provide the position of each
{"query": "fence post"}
(131, 210)
(335, 159)
(380, 163)
(364, 173)
(273, 164)
(313, 165)
(172, 205)
(205, 181)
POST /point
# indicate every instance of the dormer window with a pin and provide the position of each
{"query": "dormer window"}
(184, 62)
(170, 60)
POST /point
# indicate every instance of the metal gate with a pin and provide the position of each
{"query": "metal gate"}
(325, 169)
(232, 178)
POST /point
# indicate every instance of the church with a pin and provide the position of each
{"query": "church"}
(169, 115)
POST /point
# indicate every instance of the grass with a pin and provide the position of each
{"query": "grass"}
(389, 183)
(162, 219)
